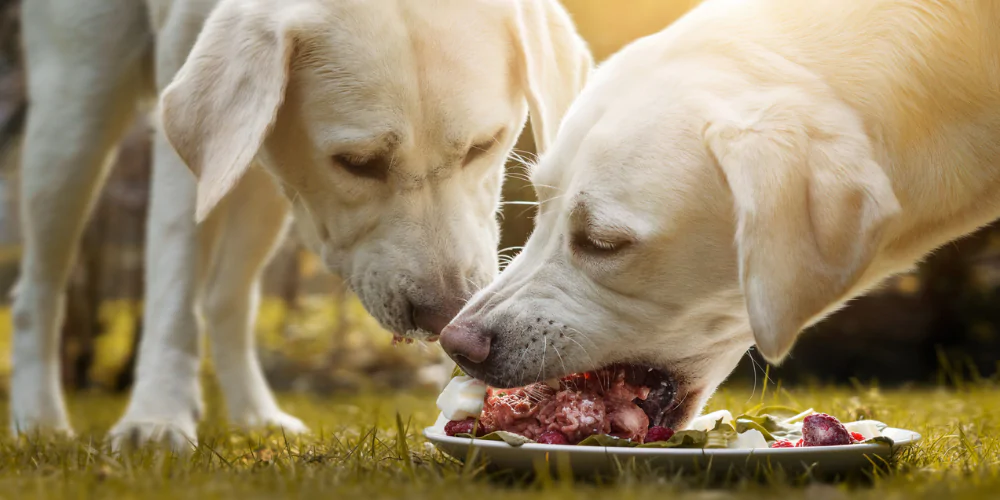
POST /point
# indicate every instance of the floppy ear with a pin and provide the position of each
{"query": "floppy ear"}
(222, 103)
(811, 206)
(555, 64)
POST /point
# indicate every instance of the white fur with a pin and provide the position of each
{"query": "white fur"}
(735, 178)
(270, 93)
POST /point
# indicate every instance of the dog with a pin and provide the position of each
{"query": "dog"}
(735, 178)
(382, 126)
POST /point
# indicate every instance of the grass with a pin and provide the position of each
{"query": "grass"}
(358, 451)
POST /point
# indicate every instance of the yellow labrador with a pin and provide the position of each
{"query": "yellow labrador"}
(383, 125)
(735, 178)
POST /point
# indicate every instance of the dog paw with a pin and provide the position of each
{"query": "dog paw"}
(179, 435)
(23, 425)
(37, 417)
(274, 420)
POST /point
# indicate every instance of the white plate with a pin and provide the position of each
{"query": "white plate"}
(598, 459)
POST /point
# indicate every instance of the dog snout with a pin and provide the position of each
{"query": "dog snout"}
(432, 312)
(431, 320)
(466, 340)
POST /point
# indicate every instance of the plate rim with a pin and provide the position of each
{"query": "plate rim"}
(434, 436)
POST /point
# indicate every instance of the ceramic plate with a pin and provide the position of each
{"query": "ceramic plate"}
(594, 459)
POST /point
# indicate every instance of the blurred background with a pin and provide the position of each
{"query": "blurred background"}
(937, 324)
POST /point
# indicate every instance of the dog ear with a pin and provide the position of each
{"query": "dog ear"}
(811, 206)
(222, 103)
(555, 63)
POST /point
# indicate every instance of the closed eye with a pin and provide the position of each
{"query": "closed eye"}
(581, 242)
(375, 167)
(483, 148)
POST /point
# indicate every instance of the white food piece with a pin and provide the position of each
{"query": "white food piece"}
(440, 423)
(707, 422)
(867, 428)
(462, 398)
(752, 438)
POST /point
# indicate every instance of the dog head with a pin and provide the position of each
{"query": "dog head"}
(683, 216)
(386, 123)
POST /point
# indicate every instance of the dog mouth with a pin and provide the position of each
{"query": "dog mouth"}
(398, 317)
(656, 391)
(663, 399)
(664, 403)
(412, 332)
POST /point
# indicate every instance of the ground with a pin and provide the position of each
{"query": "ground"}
(355, 452)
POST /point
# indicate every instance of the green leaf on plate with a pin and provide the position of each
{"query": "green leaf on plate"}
(743, 425)
(457, 372)
(880, 440)
(608, 441)
(768, 422)
(510, 438)
(777, 411)
(681, 439)
(720, 436)
(770, 426)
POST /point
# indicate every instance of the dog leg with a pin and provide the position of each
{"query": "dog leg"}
(250, 221)
(166, 399)
(84, 83)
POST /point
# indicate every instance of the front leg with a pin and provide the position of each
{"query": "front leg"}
(166, 399)
(251, 221)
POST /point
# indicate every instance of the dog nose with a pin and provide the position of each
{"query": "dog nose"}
(430, 320)
(467, 341)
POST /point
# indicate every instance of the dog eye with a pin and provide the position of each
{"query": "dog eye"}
(477, 151)
(583, 243)
(369, 168)
(481, 149)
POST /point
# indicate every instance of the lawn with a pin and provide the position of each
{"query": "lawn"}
(356, 452)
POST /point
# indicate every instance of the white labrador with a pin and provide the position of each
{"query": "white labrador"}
(384, 123)
(735, 178)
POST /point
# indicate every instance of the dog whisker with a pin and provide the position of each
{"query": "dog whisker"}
(474, 287)
(590, 359)
(555, 348)
(520, 363)
(533, 155)
(552, 198)
(753, 366)
(578, 334)
(541, 364)
(520, 158)
(678, 403)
